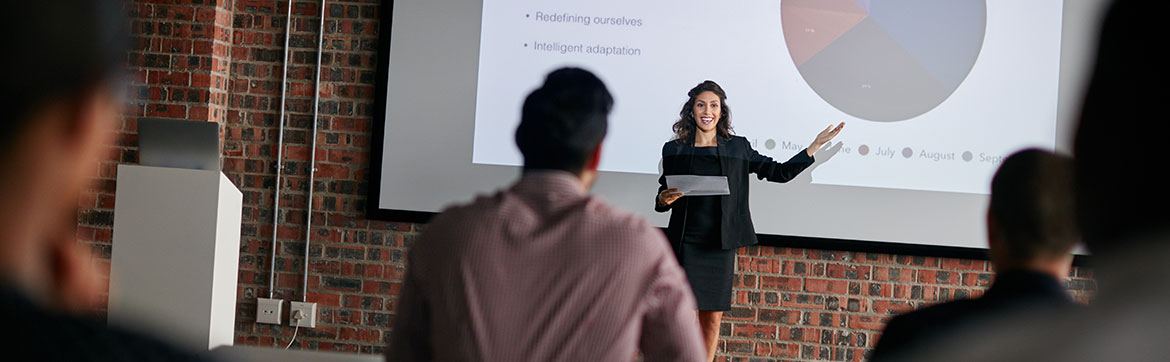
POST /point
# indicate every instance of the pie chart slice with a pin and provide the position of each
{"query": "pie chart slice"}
(884, 61)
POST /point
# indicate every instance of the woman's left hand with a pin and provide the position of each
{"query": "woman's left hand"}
(824, 137)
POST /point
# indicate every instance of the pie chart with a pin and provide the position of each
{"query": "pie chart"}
(884, 60)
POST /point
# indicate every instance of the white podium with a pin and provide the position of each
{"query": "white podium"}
(176, 251)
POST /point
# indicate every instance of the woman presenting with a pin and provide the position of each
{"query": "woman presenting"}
(705, 230)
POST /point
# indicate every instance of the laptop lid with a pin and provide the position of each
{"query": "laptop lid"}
(178, 143)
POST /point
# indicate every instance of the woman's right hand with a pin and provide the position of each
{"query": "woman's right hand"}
(668, 196)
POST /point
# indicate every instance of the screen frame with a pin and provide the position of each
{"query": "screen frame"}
(375, 212)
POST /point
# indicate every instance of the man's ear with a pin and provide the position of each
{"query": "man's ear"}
(75, 282)
(995, 243)
(90, 115)
(594, 160)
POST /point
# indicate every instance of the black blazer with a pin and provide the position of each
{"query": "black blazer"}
(1015, 293)
(737, 159)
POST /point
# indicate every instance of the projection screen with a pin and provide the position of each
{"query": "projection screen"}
(934, 95)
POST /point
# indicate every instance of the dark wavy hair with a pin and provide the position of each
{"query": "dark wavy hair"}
(684, 128)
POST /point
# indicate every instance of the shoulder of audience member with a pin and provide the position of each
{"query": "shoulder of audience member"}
(82, 339)
(621, 223)
(460, 217)
(937, 313)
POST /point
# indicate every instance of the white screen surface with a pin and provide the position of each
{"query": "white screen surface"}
(912, 166)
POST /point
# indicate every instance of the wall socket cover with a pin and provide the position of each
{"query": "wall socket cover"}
(308, 311)
(268, 310)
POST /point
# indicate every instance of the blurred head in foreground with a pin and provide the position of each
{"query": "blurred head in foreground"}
(60, 96)
(1122, 194)
(1031, 217)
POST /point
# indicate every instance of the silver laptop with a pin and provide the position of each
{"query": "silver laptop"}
(178, 143)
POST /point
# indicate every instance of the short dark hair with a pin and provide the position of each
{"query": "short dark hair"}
(564, 120)
(1122, 193)
(59, 48)
(685, 126)
(1032, 204)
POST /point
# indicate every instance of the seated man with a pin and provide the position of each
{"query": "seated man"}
(60, 100)
(542, 271)
(1031, 233)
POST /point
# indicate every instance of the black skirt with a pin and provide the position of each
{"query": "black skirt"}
(710, 271)
(709, 268)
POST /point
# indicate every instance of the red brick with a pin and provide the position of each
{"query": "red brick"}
(848, 271)
(785, 316)
(749, 297)
(782, 252)
(198, 113)
(892, 306)
(325, 267)
(345, 156)
(759, 265)
(800, 268)
(874, 258)
(797, 300)
(105, 202)
(745, 281)
(883, 290)
(825, 319)
(205, 15)
(930, 276)
(834, 255)
(826, 286)
(739, 347)
(893, 274)
(976, 279)
(866, 322)
(380, 287)
(167, 111)
(325, 170)
(347, 333)
(915, 260)
(369, 335)
(103, 235)
(810, 335)
(780, 283)
(181, 79)
(347, 317)
(324, 299)
(783, 350)
(963, 264)
(201, 80)
(754, 331)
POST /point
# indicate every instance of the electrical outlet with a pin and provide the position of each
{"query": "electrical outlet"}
(308, 315)
(268, 310)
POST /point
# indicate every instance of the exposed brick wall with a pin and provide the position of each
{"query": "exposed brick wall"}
(817, 305)
(355, 263)
(220, 61)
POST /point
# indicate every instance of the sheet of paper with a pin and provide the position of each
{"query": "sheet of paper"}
(692, 185)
